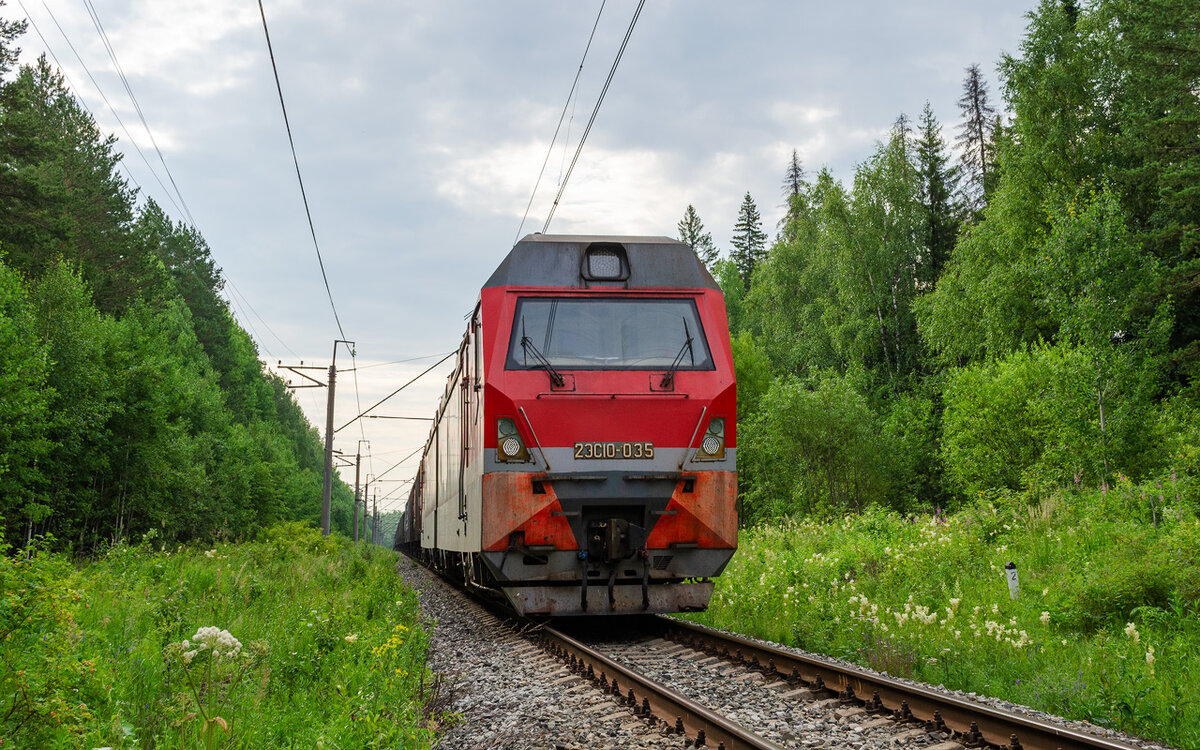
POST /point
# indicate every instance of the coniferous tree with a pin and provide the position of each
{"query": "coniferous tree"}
(938, 180)
(793, 184)
(975, 140)
(692, 234)
(9, 31)
(749, 240)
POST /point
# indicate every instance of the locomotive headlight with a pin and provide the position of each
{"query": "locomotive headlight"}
(510, 446)
(508, 442)
(713, 445)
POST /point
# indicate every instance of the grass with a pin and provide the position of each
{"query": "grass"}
(1105, 627)
(330, 651)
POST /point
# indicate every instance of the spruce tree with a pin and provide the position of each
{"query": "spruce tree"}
(975, 140)
(793, 182)
(938, 179)
(692, 234)
(749, 240)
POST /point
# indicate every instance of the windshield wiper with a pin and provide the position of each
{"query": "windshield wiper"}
(530, 348)
(669, 376)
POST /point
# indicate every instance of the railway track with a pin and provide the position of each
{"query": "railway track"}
(689, 686)
(793, 692)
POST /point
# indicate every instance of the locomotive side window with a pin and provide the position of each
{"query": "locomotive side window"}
(607, 334)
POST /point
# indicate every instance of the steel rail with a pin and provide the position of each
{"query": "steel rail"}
(653, 700)
(972, 723)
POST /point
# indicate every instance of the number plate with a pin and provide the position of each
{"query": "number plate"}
(614, 450)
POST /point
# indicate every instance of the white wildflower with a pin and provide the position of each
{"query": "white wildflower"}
(954, 603)
(1045, 618)
(1150, 656)
(1132, 631)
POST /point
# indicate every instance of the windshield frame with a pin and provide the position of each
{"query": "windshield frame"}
(705, 361)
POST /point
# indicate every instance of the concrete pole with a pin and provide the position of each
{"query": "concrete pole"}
(357, 468)
(327, 491)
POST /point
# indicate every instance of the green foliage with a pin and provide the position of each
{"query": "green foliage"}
(838, 288)
(100, 659)
(691, 233)
(727, 276)
(806, 451)
(130, 399)
(45, 687)
(936, 193)
(1047, 416)
(752, 369)
(24, 363)
(994, 422)
(749, 241)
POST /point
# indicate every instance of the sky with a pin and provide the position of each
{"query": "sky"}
(420, 129)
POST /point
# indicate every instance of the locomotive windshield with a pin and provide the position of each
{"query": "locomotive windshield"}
(607, 334)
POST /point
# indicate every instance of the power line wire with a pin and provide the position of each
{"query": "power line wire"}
(595, 111)
(128, 89)
(246, 302)
(112, 54)
(393, 393)
(560, 122)
(410, 455)
(307, 212)
(402, 361)
(99, 90)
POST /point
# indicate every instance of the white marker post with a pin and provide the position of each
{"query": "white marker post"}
(1010, 572)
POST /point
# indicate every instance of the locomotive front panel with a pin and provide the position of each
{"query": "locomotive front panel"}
(610, 448)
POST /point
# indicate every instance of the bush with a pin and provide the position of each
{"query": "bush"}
(1049, 416)
(813, 450)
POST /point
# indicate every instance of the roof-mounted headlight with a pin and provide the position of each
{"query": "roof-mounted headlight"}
(605, 264)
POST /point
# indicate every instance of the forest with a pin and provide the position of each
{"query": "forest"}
(1016, 311)
(133, 403)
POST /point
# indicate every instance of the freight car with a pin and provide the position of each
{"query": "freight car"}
(583, 457)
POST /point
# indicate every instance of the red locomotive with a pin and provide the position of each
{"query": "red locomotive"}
(583, 459)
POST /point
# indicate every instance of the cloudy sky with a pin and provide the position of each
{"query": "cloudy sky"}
(420, 129)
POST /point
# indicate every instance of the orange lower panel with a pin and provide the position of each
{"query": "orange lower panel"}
(510, 505)
(707, 516)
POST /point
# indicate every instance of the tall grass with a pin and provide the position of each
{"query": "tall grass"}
(1105, 626)
(330, 650)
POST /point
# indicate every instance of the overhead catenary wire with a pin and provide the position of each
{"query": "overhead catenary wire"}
(299, 178)
(410, 455)
(393, 393)
(595, 110)
(112, 54)
(402, 361)
(558, 127)
(46, 44)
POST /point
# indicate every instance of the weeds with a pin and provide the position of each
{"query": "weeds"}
(1106, 627)
(112, 654)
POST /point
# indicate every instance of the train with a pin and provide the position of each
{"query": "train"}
(583, 457)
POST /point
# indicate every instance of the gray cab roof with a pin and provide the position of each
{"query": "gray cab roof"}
(557, 260)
